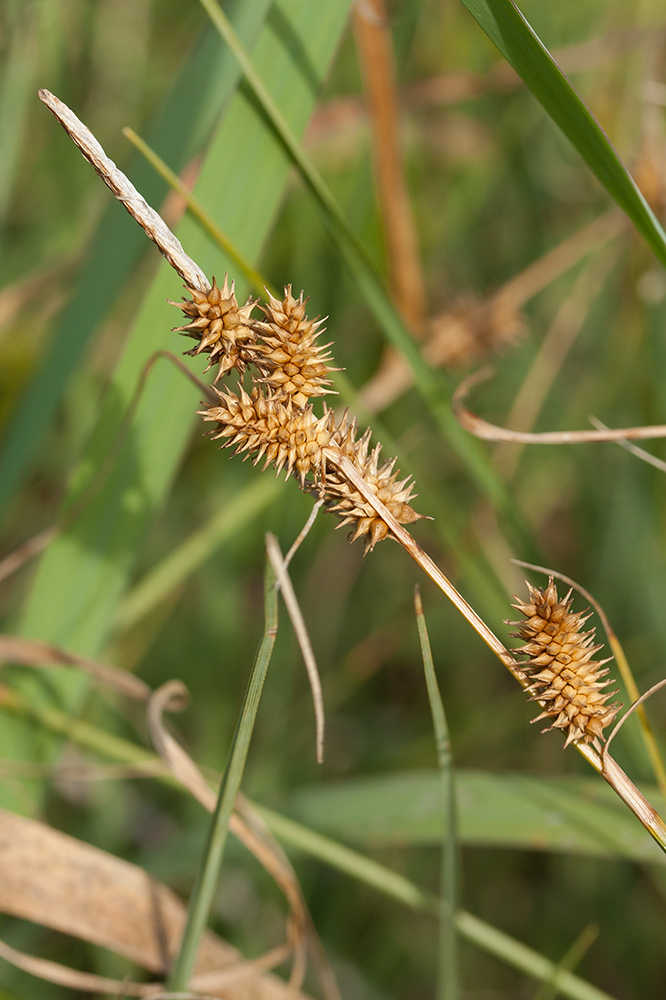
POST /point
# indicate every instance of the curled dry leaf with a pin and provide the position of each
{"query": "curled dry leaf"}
(33, 653)
(492, 432)
(171, 697)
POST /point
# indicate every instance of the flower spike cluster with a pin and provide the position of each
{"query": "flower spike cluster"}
(275, 422)
(563, 675)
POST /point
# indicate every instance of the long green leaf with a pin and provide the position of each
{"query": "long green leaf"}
(435, 387)
(209, 870)
(180, 129)
(576, 815)
(83, 574)
(517, 41)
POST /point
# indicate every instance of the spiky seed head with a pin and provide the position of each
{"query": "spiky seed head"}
(341, 497)
(292, 364)
(282, 435)
(563, 676)
(220, 326)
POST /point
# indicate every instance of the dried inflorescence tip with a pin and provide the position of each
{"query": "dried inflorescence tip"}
(563, 676)
(221, 327)
(291, 362)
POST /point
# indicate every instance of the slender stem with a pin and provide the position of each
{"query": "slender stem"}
(208, 875)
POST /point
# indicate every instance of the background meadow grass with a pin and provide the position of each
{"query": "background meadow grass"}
(161, 570)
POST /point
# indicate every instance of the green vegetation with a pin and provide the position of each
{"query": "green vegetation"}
(158, 562)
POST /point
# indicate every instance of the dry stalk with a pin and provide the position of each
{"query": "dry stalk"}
(276, 423)
(492, 432)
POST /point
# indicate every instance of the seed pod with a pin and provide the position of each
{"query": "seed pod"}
(291, 363)
(563, 676)
(341, 497)
(281, 435)
(220, 326)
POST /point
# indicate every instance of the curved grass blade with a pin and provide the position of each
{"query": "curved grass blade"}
(508, 29)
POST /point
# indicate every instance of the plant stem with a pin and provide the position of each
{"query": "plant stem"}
(208, 875)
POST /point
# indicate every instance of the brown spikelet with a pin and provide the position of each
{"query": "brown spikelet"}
(219, 325)
(280, 434)
(291, 363)
(563, 676)
(345, 500)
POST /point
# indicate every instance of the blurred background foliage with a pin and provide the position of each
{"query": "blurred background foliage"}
(493, 188)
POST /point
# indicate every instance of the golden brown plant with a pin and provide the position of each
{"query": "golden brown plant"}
(275, 422)
(219, 325)
(290, 361)
(563, 676)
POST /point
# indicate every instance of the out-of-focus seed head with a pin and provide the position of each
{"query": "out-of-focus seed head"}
(220, 326)
(563, 676)
(291, 363)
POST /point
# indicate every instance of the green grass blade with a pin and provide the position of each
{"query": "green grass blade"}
(510, 32)
(447, 980)
(16, 85)
(329, 851)
(435, 388)
(179, 130)
(85, 571)
(483, 935)
(201, 545)
(209, 872)
(576, 815)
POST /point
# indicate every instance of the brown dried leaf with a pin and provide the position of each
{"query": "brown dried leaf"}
(32, 653)
(54, 880)
(491, 432)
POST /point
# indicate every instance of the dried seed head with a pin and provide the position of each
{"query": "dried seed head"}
(280, 434)
(563, 676)
(343, 498)
(219, 325)
(291, 363)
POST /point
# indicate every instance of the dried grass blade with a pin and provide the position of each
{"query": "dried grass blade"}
(483, 429)
(122, 188)
(173, 697)
(32, 653)
(61, 883)
(85, 982)
(284, 583)
(644, 456)
(448, 975)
